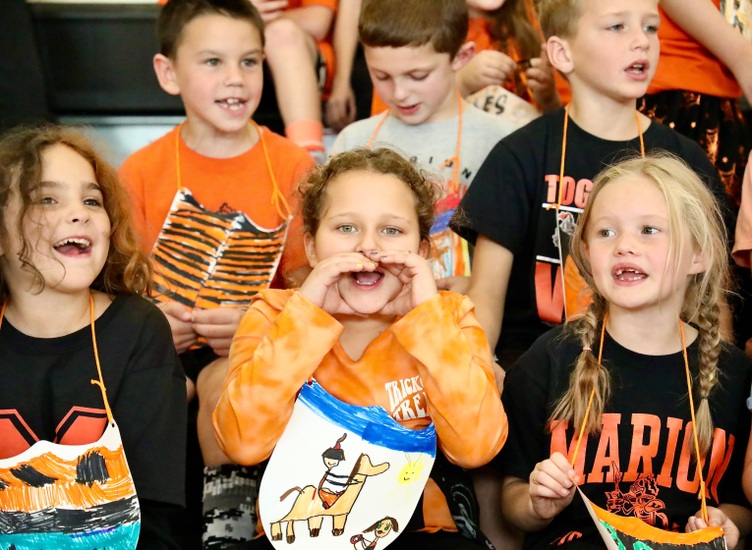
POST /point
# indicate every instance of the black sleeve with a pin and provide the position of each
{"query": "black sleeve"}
(525, 397)
(701, 164)
(156, 521)
(151, 408)
(498, 203)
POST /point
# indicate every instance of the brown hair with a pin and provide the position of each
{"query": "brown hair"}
(512, 22)
(312, 189)
(399, 23)
(176, 14)
(126, 269)
(559, 17)
(690, 205)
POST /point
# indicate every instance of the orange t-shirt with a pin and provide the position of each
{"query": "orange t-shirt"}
(685, 64)
(241, 184)
(284, 340)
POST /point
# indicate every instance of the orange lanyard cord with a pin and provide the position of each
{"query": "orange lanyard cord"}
(278, 198)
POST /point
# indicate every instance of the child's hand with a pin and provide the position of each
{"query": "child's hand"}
(269, 9)
(179, 317)
(486, 68)
(413, 272)
(542, 82)
(320, 287)
(552, 486)
(217, 326)
(718, 518)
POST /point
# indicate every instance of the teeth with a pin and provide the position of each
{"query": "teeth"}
(80, 243)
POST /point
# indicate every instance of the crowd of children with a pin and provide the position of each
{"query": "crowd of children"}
(511, 322)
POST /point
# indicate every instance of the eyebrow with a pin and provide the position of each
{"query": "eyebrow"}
(355, 214)
(89, 185)
(255, 51)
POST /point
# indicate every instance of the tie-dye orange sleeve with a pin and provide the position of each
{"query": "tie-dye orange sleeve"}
(455, 364)
(276, 349)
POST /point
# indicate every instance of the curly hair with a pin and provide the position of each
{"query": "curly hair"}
(127, 269)
(425, 189)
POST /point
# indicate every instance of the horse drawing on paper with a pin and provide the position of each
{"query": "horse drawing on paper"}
(309, 507)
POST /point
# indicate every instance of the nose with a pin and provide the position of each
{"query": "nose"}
(399, 91)
(78, 213)
(640, 39)
(368, 241)
(625, 245)
(233, 75)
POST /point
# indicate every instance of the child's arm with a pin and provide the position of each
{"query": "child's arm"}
(492, 267)
(456, 369)
(743, 234)
(531, 505)
(315, 20)
(703, 22)
(268, 365)
(340, 107)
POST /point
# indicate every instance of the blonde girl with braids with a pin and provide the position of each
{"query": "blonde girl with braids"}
(652, 248)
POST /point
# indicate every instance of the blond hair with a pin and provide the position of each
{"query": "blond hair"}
(690, 205)
(559, 17)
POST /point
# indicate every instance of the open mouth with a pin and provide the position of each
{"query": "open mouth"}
(367, 278)
(72, 246)
(637, 68)
(231, 103)
(629, 274)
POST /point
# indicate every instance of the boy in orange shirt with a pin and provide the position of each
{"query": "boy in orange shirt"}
(301, 60)
(214, 199)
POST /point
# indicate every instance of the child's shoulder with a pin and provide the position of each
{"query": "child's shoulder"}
(479, 122)
(283, 149)
(152, 153)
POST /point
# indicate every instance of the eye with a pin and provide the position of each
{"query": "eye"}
(650, 230)
(392, 231)
(212, 62)
(381, 77)
(616, 27)
(251, 62)
(419, 76)
(92, 201)
(46, 200)
(652, 29)
(346, 228)
(605, 233)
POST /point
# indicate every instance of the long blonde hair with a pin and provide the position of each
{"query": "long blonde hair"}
(690, 204)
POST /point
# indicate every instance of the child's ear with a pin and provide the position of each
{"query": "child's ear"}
(464, 55)
(166, 74)
(699, 262)
(559, 54)
(310, 249)
(424, 248)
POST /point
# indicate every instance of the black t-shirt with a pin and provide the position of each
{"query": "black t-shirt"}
(510, 202)
(46, 394)
(645, 435)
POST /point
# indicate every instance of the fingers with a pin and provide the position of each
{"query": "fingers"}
(552, 478)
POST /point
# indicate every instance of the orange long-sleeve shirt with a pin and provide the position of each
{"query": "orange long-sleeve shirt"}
(433, 364)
